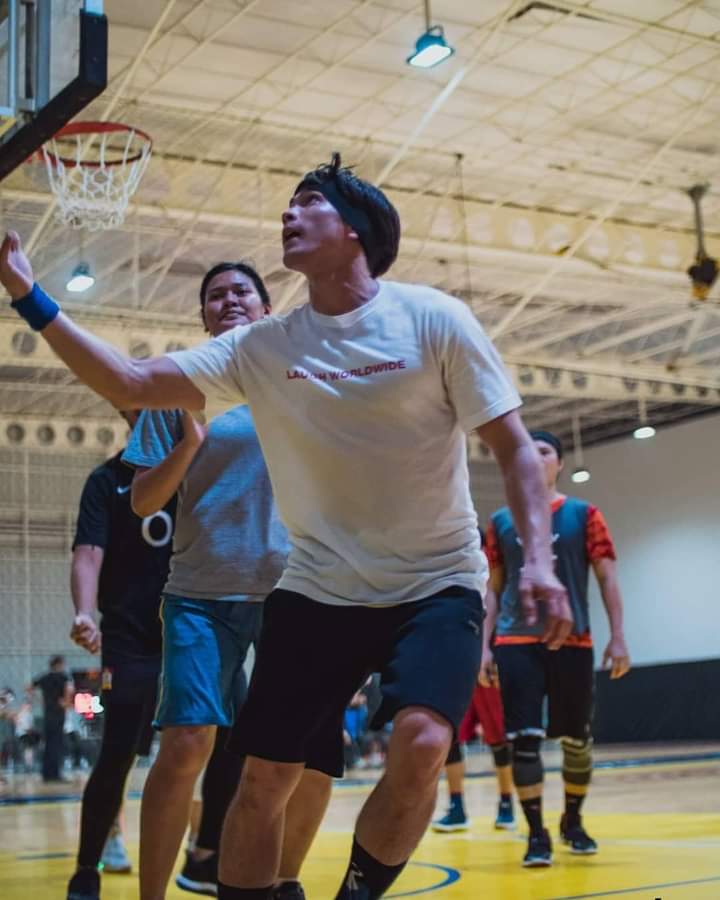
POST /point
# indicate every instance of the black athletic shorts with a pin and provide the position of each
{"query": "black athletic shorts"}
(312, 657)
(129, 697)
(530, 672)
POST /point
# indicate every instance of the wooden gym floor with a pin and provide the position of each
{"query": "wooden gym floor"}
(654, 811)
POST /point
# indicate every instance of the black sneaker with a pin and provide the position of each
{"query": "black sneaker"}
(577, 839)
(84, 885)
(199, 877)
(539, 851)
(288, 890)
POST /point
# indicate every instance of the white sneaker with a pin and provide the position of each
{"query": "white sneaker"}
(115, 859)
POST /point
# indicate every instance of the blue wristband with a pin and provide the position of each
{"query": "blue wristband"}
(37, 308)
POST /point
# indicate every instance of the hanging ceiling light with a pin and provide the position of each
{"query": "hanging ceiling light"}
(643, 431)
(81, 279)
(581, 474)
(431, 47)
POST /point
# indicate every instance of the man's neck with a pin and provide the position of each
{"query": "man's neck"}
(341, 291)
(555, 494)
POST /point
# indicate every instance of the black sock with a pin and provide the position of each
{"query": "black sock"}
(456, 802)
(533, 814)
(366, 878)
(506, 799)
(225, 892)
(573, 804)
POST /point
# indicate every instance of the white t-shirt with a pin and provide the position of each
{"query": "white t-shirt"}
(362, 420)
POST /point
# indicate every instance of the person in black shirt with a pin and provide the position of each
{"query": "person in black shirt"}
(56, 687)
(119, 567)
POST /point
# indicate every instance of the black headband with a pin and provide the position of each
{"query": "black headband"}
(549, 438)
(356, 218)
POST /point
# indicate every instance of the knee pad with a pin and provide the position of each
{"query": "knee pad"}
(455, 754)
(502, 755)
(527, 765)
(577, 760)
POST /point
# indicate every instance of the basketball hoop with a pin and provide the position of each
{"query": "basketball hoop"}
(94, 168)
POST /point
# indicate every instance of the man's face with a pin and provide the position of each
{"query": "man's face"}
(314, 237)
(551, 463)
(231, 299)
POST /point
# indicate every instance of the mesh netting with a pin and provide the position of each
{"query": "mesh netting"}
(94, 173)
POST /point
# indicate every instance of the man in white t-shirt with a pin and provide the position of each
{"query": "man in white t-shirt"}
(362, 399)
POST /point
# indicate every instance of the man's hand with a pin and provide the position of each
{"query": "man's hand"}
(538, 585)
(193, 432)
(616, 657)
(488, 674)
(85, 633)
(16, 272)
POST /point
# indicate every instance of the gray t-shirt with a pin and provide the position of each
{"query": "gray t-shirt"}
(229, 542)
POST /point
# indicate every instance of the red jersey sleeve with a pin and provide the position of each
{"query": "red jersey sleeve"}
(598, 541)
(492, 548)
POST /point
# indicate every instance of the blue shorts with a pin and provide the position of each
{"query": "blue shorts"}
(205, 643)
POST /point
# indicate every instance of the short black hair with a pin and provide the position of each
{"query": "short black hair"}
(382, 241)
(56, 660)
(245, 269)
(548, 438)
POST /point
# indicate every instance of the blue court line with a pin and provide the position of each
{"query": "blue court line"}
(451, 876)
(637, 890)
(19, 800)
(30, 857)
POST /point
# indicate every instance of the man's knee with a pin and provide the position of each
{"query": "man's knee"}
(267, 785)
(185, 748)
(502, 755)
(577, 761)
(420, 743)
(527, 763)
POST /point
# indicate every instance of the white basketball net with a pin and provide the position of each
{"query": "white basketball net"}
(94, 175)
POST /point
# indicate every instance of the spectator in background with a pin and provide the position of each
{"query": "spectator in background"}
(7, 729)
(365, 748)
(57, 691)
(72, 729)
(354, 727)
(26, 735)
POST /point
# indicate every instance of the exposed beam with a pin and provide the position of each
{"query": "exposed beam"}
(501, 248)
(632, 334)
(610, 209)
(652, 379)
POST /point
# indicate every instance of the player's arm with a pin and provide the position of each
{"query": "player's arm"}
(488, 670)
(92, 536)
(527, 498)
(494, 589)
(616, 653)
(127, 383)
(153, 487)
(85, 569)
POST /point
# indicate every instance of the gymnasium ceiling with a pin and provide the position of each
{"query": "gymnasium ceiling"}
(540, 174)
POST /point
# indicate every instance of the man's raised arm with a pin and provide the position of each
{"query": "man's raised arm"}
(127, 383)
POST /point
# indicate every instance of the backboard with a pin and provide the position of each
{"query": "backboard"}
(53, 62)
